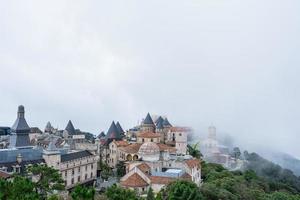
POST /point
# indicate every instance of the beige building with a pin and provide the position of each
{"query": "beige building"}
(78, 167)
(157, 167)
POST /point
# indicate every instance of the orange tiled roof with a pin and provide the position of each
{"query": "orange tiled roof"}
(164, 147)
(121, 143)
(134, 180)
(132, 148)
(180, 129)
(148, 135)
(192, 163)
(161, 180)
(144, 167)
(4, 174)
(186, 176)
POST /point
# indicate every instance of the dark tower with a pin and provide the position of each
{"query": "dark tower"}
(20, 131)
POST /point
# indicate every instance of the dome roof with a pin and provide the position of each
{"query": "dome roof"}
(149, 151)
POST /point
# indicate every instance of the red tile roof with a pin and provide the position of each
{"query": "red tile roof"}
(164, 147)
(148, 135)
(121, 143)
(180, 129)
(144, 167)
(192, 163)
(132, 148)
(134, 180)
(161, 180)
(4, 175)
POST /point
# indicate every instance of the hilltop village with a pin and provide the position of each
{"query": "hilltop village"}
(152, 154)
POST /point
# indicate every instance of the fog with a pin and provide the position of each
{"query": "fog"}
(234, 64)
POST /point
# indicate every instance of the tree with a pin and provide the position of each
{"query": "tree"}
(183, 190)
(194, 151)
(83, 193)
(150, 194)
(20, 188)
(106, 171)
(46, 179)
(121, 169)
(117, 193)
(236, 153)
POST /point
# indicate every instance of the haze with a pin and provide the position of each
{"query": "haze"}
(231, 63)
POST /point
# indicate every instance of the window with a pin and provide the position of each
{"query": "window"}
(92, 175)
(85, 177)
(143, 140)
(78, 178)
(72, 181)
(180, 134)
(143, 189)
(72, 171)
(86, 168)
(66, 173)
(92, 166)
(151, 140)
(78, 169)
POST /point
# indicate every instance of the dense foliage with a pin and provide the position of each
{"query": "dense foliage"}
(193, 150)
(181, 190)
(117, 193)
(278, 177)
(220, 183)
(83, 193)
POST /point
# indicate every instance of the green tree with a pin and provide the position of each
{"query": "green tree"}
(150, 194)
(20, 188)
(83, 193)
(117, 193)
(183, 190)
(106, 171)
(236, 153)
(121, 169)
(47, 180)
(194, 151)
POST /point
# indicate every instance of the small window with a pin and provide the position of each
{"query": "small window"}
(72, 181)
(85, 177)
(151, 140)
(78, 169)
(72, 171)
(66, 173)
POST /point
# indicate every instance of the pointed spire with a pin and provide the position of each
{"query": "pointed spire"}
(70, 128)
(159, 125)
(113, 132)
(20, 124)
(101, 135)
(166, 123)
(48, 127)
(20, 131)
(148, 120)
(120, 129)
(159, 120)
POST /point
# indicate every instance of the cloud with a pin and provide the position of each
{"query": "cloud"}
(231, 63)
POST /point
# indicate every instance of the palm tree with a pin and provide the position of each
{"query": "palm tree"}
(193, 150)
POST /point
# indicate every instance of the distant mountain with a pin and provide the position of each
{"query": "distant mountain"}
(280, 177)
(284, 160)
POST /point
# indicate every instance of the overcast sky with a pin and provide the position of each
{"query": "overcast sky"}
(231, 63)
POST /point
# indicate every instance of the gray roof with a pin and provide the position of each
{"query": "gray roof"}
(20, 131)
(20, 125)
(70, 128)
(148, 120)
(76, 155)
(120, 129)
(10, 155)
(5, 130)
(159, 125)
(166, 123)
(112, 133)
(160, 119)
(101, 135)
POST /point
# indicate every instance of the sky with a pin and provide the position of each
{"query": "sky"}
(230, 63)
